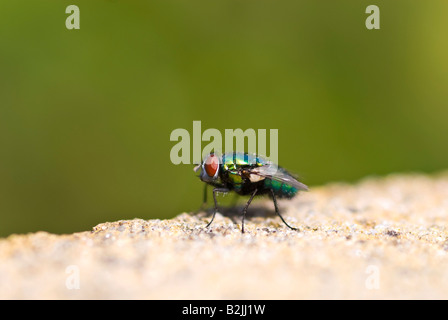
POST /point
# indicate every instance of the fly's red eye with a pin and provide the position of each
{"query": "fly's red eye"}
(211, 165)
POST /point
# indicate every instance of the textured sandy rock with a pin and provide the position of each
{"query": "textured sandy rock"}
(381, 238)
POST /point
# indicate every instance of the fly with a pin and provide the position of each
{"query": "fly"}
(247, 175)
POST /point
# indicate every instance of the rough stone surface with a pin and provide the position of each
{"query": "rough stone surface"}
(382, 238)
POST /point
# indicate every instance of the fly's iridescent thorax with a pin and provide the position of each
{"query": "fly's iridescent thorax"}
(233, 170)
(233, 161)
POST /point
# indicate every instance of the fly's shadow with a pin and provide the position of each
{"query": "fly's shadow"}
(234, 211)
(261, 213)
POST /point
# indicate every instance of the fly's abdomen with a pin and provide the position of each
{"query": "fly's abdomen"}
(281, 189)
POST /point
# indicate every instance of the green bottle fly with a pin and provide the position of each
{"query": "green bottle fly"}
(247, 174)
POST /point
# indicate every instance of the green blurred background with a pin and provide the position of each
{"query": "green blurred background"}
(86, 115)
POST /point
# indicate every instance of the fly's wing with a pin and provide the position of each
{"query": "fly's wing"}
(278, 174)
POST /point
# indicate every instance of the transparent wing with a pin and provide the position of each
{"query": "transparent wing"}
(278, 174)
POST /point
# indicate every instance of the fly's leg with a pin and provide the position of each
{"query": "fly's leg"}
(203, 206)
(215, 191)
(204, 199)
(278, 212)
(245, 209)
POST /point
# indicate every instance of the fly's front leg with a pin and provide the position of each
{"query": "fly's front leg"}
(203, 206)
(204, 198)
(215, 191)
(278, 212)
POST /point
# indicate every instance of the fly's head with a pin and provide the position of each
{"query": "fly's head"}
(209, 168)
